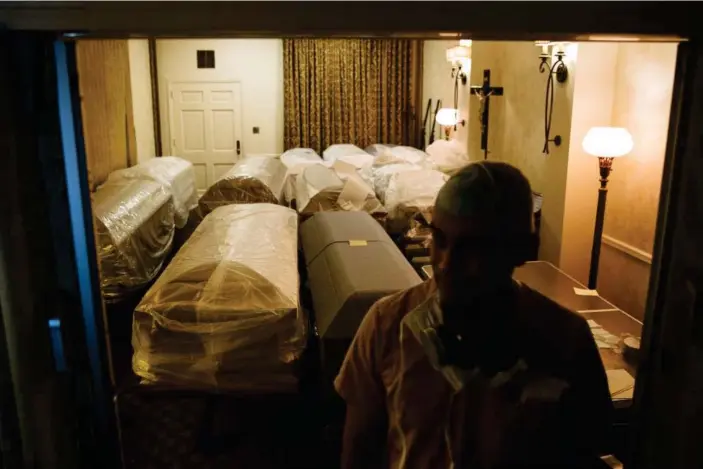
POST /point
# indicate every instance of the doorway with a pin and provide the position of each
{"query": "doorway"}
(206, 127)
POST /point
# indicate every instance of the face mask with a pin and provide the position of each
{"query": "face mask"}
(423, 322)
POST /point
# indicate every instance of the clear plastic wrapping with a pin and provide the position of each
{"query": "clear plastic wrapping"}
(321, 188)
(348, 153)
(134, 225)
(382, 176)
(225, 312)
(176, 174)
(378, 149)
(295, 161)
(447, 156)
(257, 179)
(411, 192)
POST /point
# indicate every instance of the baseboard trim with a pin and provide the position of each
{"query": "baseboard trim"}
(628, 249)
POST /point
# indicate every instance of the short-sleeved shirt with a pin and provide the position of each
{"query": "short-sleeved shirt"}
(430, 425)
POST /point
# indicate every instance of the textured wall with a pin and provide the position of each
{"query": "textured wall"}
(593, 104)
(626, 85)
(142, 103)
(437, 83)
(106, 105)
(644, 80)
(516, 127)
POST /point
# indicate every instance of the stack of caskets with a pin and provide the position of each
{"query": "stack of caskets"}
(232, 309)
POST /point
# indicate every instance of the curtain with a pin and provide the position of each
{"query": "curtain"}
(360, 91)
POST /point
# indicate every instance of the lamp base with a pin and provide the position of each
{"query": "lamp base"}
(605, 166)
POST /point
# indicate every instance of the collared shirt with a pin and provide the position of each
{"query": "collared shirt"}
(430, 426)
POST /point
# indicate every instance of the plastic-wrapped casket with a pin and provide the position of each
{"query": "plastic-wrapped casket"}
(134, 225)
(409, 193)
(295, 161)
(377, 149)
(348, 153)
(257, 179)
(320, 188)
(447, 156)
(351, 264)
(175, 174)
(224, 314)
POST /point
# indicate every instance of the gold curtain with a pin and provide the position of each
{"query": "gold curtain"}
(359, 91)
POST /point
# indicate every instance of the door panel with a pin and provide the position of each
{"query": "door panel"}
(206, 127)
(52, 327)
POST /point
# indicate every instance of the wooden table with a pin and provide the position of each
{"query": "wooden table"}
(558, 286)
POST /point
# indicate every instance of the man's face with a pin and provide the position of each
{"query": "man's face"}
(468, 260)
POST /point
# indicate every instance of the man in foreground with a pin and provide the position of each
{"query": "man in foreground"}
(472, 369)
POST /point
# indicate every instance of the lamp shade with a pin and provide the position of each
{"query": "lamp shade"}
(447, 116)
(608, 142)
(458, 53)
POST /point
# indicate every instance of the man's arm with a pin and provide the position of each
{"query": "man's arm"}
(359, 384)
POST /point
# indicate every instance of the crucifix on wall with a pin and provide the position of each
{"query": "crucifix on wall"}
(484, 93)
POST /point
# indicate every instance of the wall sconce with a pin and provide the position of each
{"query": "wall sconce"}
(460, 58)
(606, 143)
(559, 70)
(448, 117)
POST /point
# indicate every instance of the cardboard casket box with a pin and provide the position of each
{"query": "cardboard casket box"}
(351, 263)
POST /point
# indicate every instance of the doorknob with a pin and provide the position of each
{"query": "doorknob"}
(239, 148)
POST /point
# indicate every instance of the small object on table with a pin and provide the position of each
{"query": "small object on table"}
(630, 347)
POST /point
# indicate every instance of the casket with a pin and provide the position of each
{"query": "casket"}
(409, 193)
(224, 314)
(175, 174)
(378, 149)
(295, 161)
(447, 156)
(320, 188)
(351, 263)
(257, 179)
(348, 153)
(134, 225)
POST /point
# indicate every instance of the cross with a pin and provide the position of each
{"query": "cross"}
(484, 93)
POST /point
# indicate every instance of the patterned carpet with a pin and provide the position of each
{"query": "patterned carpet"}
(161, 430)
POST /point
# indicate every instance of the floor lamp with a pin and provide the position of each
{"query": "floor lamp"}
(606, 143)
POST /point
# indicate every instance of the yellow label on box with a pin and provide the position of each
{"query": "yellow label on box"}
(357, 242)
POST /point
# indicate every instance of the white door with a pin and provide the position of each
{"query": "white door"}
(206, 127)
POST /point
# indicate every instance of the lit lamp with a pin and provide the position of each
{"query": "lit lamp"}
(606, 143)
(448, 117)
